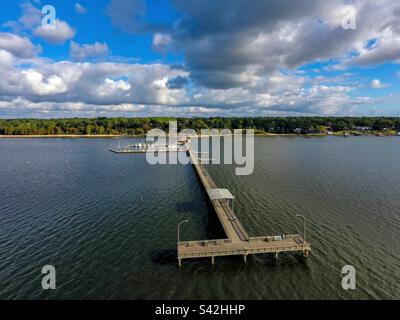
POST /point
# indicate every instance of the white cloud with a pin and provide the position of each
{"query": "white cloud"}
(20, 47)
(31, 16)
(41, 86)
(7, 60)
(233, 66)
(377, 84)
(112, 87)
(161, 41)
(80, 8)
(115, 84)
(59, 35)
(96, 83)
(18, 106)
(387, 48)
(85, 51)
(31, 21)
(223, 50)
(118, 84)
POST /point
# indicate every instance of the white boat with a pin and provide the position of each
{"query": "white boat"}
(143, 148)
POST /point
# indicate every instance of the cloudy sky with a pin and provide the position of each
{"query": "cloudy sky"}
(200, 58)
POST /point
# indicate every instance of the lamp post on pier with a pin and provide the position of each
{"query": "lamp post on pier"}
(179, 226)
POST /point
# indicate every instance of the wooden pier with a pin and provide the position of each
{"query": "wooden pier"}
(238, 241)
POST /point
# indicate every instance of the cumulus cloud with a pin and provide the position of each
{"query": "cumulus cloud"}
(112, 87)
(224, 48)
(114, 84)
(20, 47)
(96, 83)
(14, 108)
(41, 86)
(177, 83)
(59, 35)
(86, 51)
(30, 18)
(231, 44)
(239, 59)
(31, 21)
(387, 49)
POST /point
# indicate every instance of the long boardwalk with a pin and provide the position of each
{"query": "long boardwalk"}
(238, 241)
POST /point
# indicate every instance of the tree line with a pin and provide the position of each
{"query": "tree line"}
(140, 126)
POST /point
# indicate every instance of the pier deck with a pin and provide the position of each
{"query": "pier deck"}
(238, 241)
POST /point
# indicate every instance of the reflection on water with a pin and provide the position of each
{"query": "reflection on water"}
(108, 222)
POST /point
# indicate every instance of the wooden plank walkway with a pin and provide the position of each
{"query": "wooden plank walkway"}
(231, 225)
(238, 241)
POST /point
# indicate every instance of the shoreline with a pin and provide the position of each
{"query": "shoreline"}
(110, 136)
(63, 136)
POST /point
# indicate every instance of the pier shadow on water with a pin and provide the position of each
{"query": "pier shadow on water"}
(164, 257)
(285, 260)
(214, 228)
(185, 206)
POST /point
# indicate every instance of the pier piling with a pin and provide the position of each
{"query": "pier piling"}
(238, 241)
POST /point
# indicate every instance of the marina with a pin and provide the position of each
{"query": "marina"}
(143, 148)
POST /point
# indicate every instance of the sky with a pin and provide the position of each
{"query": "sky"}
(204, 58)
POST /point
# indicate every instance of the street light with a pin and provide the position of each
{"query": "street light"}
(179, 226)
(305, 225)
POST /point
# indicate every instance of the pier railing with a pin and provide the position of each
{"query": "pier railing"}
(276, 238)
(204, 243)
(238, 242)
(244, 251)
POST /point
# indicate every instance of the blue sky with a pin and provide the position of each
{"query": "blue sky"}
(96, 25)
(199, 58)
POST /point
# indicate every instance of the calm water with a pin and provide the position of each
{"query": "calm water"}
(108, 222)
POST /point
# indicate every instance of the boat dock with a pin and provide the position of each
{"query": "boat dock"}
(238, 241)
(144, 148)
